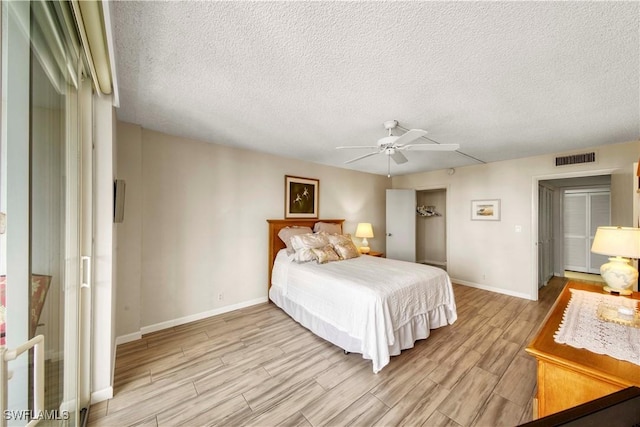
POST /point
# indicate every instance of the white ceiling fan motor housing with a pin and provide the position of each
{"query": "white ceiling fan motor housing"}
(387, 141)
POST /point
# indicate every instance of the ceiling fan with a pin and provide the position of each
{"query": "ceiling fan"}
(393, 146)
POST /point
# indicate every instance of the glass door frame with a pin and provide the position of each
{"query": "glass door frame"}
(15, 194)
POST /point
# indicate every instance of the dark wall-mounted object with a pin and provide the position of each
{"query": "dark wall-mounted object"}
(118, 200)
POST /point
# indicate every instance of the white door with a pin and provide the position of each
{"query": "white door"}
(401, 225)
(545, 235)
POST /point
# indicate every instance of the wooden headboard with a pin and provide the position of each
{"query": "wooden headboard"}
(275, 244)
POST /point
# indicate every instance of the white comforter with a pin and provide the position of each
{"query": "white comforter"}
(366, 297)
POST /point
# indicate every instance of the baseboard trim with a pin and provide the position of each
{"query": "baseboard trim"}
(101, 395)
(492, 289)
(123, 339)
(199, 316)
(432, 262)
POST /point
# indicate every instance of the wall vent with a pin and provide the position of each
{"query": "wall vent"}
(574, 159)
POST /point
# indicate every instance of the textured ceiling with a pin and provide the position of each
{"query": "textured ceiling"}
(502, 79)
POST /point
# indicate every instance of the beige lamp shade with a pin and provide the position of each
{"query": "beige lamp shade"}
(617, 241)
(620, 243)
(364, 231)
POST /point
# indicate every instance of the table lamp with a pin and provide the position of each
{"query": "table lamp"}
(621, 243)
(365, 231)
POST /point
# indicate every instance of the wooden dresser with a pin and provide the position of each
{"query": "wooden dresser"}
(569, 376)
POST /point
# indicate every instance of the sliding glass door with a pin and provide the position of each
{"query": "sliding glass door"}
(41, 193)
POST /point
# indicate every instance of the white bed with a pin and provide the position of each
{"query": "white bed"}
(368, 305)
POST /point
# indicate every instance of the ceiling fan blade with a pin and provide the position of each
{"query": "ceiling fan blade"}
(370, 147)
(431, 147)
(410, 135)
(362, 157)
(398, 157)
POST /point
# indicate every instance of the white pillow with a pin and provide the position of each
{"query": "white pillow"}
(327, 227)
(287, 233)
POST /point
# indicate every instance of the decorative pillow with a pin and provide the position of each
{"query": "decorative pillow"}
(304, 243)
(343, 245)
(287, 233)
(347, 250)
(327, 227)
(339, 239)
(325, 254)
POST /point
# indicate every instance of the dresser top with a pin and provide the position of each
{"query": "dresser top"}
(544, 346)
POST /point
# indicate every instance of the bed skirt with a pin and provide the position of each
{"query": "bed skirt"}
(404, 337)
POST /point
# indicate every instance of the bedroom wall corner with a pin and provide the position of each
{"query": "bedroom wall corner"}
(204, 241)
(129, 233)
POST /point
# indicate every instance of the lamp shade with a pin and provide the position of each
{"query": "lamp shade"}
(364, 230)
(617, 241)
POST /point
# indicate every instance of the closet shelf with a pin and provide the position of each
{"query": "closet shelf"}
(427, 211)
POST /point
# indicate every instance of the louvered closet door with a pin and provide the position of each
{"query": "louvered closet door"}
(600, 213)
(584, 212)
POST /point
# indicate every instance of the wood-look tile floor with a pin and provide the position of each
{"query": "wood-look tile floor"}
(256, 366)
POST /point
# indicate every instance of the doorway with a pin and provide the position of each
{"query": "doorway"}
(416, 226)
(556, 237)
(431, 227)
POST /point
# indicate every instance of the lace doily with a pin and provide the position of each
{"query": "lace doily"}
(581, 327)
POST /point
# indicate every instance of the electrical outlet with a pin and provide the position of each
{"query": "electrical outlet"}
(220, 296)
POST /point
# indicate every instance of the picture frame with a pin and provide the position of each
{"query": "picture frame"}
(485, 210)
(302, 197)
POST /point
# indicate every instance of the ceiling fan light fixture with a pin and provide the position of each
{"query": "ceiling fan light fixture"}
(387, 140)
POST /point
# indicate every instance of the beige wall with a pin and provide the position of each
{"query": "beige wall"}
(491, 254)
(129, 232)
(195, 224)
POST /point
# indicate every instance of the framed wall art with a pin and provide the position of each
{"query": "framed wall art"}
(485, 210)
(301, 197)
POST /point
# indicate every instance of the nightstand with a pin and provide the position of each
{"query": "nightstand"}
(374, 253)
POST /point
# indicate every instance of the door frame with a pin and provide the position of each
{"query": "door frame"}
(535, 180)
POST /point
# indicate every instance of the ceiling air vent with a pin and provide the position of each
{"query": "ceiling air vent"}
(574, 159)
